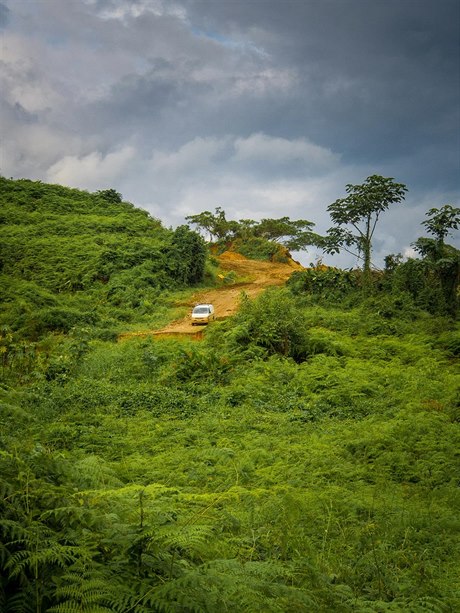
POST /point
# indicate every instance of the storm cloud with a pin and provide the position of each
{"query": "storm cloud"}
(262, 107)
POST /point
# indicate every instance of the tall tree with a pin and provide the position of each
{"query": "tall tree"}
(204, 221)
(361, 210)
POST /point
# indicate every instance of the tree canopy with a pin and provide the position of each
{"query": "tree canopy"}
(441, 221)
(295, 235)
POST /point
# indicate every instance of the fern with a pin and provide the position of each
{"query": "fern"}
(424, 604)
(85, 591)
(22, 601)
(35, 556)
(227, 585)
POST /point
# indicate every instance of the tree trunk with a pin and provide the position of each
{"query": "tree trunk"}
(367, 279)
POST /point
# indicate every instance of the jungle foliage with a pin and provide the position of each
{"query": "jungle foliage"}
(302, 457)
(70, 258)
(430, 283)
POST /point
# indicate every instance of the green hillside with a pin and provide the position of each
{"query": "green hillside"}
(70, 258)
(303, 457)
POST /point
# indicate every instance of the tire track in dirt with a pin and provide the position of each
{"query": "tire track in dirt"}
(255, 275)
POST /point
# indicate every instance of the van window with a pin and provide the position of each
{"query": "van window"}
(201, 310)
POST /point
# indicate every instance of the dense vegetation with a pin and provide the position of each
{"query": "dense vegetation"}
(69, 258)
(302, 457)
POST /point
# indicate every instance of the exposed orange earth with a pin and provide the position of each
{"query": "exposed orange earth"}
(255, 277)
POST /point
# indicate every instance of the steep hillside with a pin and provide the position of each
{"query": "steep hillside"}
(70, 258)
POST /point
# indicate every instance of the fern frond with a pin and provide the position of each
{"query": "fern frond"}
(22, 602)
(12, 531)
(30, 559)
(87, 589)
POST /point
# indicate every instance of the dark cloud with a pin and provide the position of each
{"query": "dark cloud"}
(256, 105)
(4, 15)
(382, 75)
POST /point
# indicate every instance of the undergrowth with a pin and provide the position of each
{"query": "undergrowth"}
(311, 467)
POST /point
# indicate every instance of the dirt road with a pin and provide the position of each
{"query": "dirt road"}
(255, 277)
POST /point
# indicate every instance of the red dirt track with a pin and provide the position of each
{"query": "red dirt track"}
(255, 275)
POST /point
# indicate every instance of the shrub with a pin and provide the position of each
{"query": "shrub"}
(187, 256)
(432, 284)
(324, 283)
(55, 319)
(271, 324)
(261, 249)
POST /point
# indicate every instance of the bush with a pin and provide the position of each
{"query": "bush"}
(271, 324)
(392, 306)
(432, 285)
(450, 343)
(324, 283)
(187, 256)
(261, 249)
(55, 319)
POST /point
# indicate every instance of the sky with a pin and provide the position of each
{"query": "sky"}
(265, 108)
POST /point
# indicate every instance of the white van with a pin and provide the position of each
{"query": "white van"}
(202, 314)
